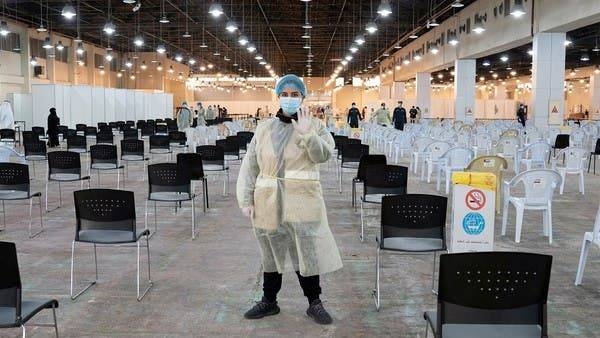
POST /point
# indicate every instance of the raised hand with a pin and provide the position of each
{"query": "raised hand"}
(303, 125)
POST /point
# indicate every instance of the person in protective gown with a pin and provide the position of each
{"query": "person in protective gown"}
(53, 123)
(7, 118)
(201, 115)
(184, 117)
(279, 189)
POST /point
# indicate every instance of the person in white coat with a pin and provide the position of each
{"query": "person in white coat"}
(184, 117)
(7, 119)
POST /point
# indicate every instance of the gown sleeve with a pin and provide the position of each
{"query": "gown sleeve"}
(318, 143)
(249, 171)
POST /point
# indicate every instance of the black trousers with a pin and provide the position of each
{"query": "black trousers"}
(272, 284)
(399, 126)
(353, 124)
(53, 140)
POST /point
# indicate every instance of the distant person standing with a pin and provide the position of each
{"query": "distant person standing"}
(521, 114)
(184, 117)
(383, 116)
(201, 116)
(7, 118)
(413, 114)
(53, 123)
(210, 113)
(354, 116)
(399, 117)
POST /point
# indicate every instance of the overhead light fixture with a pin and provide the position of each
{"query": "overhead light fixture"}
(159, 67)
(251, 48)
(432, 23)
(359, 39)
(68, 11)
(453, 41)
(517, 10)
(486, 63)
(348, 57)
(178, 58)
(353, 48)
(572, 73)
(262, 63)
(60, 46)
(530, 52)
(417, 57)
(33, 61)
(457, 4)
(344, 62)
(171, 70)
(434, 50)
(398, 46)
(129, 2)
(108, 57)
(143, 65)
(231, 26)
(138, 41)
(504, 58)
(217, 53)
(203, 45)
(478, 28)
(568, 42)
(307, 25)
(132, 77)
(384, 8)
(513, 73)
(128, 63)
(119, 74)
(216, 10)
(267, 66)
(305, 35)
(41, 28)
(192, 61)
(210, 66)
(186, 35)
(47, 43)
(258, 57)
(597, 70)
(164, 19)
(160, 49)
(80, 49)
(371, 27)
(202, 68)
(585, 57)
(306, 46)
(109, 28)
(406, 61)
(243, 40)
(385, 54)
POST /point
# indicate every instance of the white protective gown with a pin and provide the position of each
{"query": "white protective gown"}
(7, 119)
(279, 176)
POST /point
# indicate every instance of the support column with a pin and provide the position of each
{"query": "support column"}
(464, 90)
(423, 87)
(398, 91)
(595, 96)
(548, 97)
(26, 68)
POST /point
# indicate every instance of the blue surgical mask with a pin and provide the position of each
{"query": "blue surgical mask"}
(290, 105)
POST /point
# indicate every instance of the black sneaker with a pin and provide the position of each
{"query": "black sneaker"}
(262, 309)
(317, 312)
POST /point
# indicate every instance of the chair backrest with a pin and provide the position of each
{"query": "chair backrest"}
(7, 134)
(508, 145)
(562, 141)
(168, 177)
(212, 154)
(105, 137)
(91, 131)
(245, 137)
(80, 127)
(162, 129)
(458, 157)
(483, 141)
(172, 125)
(30, 136)
(139, 124)
(230, 145)
(493, 288)
(76, 142)
(130, 134)
(177, 137)
(413, 216)
(491, 164)
(437, 149)
(63, 130)
(147, 130)
(113, 125)
(192, 162)
(64, 162)
(10, 282)
(421, 144)
(339, 139)
(366, 161)
(354, 152)
(539, 185)
(35, 148)
(105, 209)
(597, 147)
(159, 142)
(38, 130)
(132, 147)
(103, 153)
(104, 128)
(14, 176)
(574, 157)
(385, 179)
(538, 151)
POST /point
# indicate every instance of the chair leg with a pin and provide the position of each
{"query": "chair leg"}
(150, 283)
(433, 290)
(59, 195)
(353, 193)
(376, 291)
(24, 331)
(589, 162)
(205, 186)
(193, 219)
(362, 221)
(581, 183)
(340, 179)
(55, 322)
(46, 196)
(89, 285)
(519, 221)
(582, 260)
(31, 235)
(504, 217)
(549, 211)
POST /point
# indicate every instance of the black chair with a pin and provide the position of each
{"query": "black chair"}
(213, 160)
(40, 132)
(492, 294)
(130, 123)
(120, 125)
(562, 141)
(147, 130)
(107, 217)
(159, 121)
(231, 148)
(381, 180)
(351, 155)
(102, 125)
(132, 150)
(594, 154)
(161, 129)
(338, 141)
(130, 134)
(63, 131)
(16, 312)
(77, 144)
(412, 223)
(160, 144)
(113, 125)
(177, 139)
(91, 132)
(105, 137)
(365, 161)
(30, 136)
(64, 166)
(244, 138)
(139, 124)
(80, 128)
(104, 157)
(7, 135)
(167, 182)
(192, 162)
(172, 125)
(35, 151)
(104, 128)
(15, 186)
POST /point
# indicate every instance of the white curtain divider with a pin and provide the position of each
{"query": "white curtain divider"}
(81, 105)
(98, 106)
(130, 105)
(109, 104)
(120, 104)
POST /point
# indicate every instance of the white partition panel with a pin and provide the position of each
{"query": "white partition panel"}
(43, 99)
(109, 104)
(120, 104)
(81, 105)
(65, 114)
(139, 106)
(169, 105)
(130, 107)
(149, 105)
(98, 109)
(157, 106)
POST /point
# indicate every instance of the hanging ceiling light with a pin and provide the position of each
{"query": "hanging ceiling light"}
(348, 57)
(186, 35)
(453, 40)
(160, 49)
(138, 41)
(434, 50)
(371, 27)
(203, 45)
(486, 63)
(457, 4)
(398, 46)
(585, 57)
(568, 42)
(80, 49)
(432, 23)
(384, 8)
(4, 30)
(306, 35)
(171, 70)
(119, 74)
(597, 70)
(60, 46)
(231, 26)
(129, 2)
(251, 48)
(143, 65)
(359, 39)
(258, 57)
(504, 58)
(159, 67)
(164, 19)
(596, 48)
(478, 27)
(353, 48)
(216, 10)
(47, 43)
(41, 28)
(217, 53)
(128, 63)
(178, 58)
(109, 28)
(517, 10)
(243, 40)
(68, 11)
(109, 57)
(33, 61)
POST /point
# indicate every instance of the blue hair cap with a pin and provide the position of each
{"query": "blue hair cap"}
(290, 81)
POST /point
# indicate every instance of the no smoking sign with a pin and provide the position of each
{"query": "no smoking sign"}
(475, 199)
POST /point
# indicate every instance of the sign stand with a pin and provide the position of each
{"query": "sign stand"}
(473, 207)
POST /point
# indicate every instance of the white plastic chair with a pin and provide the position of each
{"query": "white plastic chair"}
(455, 159)
(539, 187)
(401, 144)
(574, 163)
(508, 146)
(577, 138)
(533, 156)
(434, 152)
(588, 238)
(418, 154)
(483, 143)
